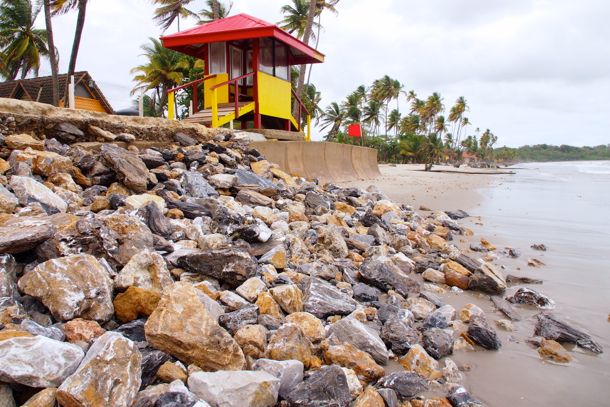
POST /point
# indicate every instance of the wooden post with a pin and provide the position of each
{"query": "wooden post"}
(71, 99)
(141, 105)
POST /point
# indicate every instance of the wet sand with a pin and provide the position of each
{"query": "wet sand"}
(518, 211)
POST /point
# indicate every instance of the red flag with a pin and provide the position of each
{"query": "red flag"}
(354, 130)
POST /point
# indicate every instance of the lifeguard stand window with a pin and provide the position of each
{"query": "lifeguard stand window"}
(274, 58)
(218, 57)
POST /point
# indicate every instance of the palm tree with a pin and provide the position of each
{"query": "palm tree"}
(311, 99)
(394, 121)
(296, 18)
(215, 10)
(333, 116)
(62, 7)
(455, 116)
(22, 45)
(163, 70)
(170, 11)
(372, 113)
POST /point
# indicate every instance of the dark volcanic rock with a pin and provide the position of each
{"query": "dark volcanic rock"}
(459, 214)
(483, 334)
(152, 360)
(440, 318)
(314, 200)
(232, 321)
(323, 299)
(231, 266)
(365, 293)
(399, 336)
(406, 384)
(129, 168)
(67, 133)
(438, 342)
(389, 397)
(184, 139)
(550, 327)
(325, 387)
(530, 297)
(133, 330)
(459, 397)
(196, 186)
(382, 273)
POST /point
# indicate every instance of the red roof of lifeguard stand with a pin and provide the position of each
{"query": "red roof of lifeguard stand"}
(239, 27)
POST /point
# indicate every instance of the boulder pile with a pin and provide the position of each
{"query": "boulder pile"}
(200, 274)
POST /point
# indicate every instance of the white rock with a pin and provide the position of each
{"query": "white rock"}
(236, 388)
(251, 288)
(146, 269)
(355, 388)
(29, 190)
(138, 201)
(289, 372)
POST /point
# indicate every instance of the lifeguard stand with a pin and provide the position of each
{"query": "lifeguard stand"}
(247, 74)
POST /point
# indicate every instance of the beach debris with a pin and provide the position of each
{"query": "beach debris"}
(487, 245)
(550, 327)
(512, 252)
(535, 263)
(528, 296)
(550, 349)
(539, 246)
(505, 324)
(458, 214)
(518, 280)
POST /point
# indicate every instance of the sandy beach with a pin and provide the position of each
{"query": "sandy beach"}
(443, 188)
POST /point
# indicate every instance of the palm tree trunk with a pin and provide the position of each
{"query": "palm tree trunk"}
(317, 44)
(306, 37)
(80, 24)
(215, 9)
(52, 53)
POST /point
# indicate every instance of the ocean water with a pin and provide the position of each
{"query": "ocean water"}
(565, 206)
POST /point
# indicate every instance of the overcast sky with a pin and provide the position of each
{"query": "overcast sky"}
(533, 71)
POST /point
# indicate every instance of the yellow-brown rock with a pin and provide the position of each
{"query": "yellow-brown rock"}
(146, 269)
(345, 208)
(369, 398)
(23, 141)
(64, 181)
(436, 242)
(289, 343)
(276, 257)
(550, 349)
(175, 213)
(118, 189)
(44, 398)
(454, 279)
(182, 327)
(417, 360)
(134, 303)
(10, 333)
(383, 206)
(469, 311)
(487, 245)
(433, 402)
(456, 267)
(267, 305)
(48, 163)
(260, 167)
(310, 325)
(168, 372)
(82, 330)
(99, 203)
(289, 297)
(4, 166)
(347, 355)
(289, 180)
(252, 339)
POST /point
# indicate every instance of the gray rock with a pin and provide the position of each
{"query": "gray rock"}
(440, 318)
(6, 396)
(406, 384)
(232, 321)
(8, 200)
(8, 277)
(389, 397)
(488, 279)
(365, 293)
(184, 139)
(236, 388)
(459, 397)
(37, 361)
(323, 299)
(314, 200)
(34, 328)
(289, 372)
(323, 388)
(196, 186)
(458, 214)
(249, 180)
(231, 266)
(152, 360)
(24, 236)
(399, 336)
(129, 168)
(483, 334)
(550, 327)
(253, 198)
(28, 190)
(67, 133)
(438, 342)
(382, 273)
(506, 308)
(531, 297)
(365, 338)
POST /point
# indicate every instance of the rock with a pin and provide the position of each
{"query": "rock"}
(125, 236)
(332, 239)
(453, 279)
(174, 394)
(459, 397)
(134, 303)
(275, 257)
(417, 360)
(323, 299)
(440, 318)
(550, 327)
(350, 330)
(23, 141)
(233, 301)
(530, 297)
(420, 307)
(406, 384)
(515, 280)
(310, 325)
(168, 372)
(28, 190)
(289, 372)
(389, 397)
(434, 276)
(267, 305)
(67, 133)
(488, 279)
(44, 398)
(506, 308)
(550, 349)
(451, 372)
(251, 288)
(8, 201)
(34, 328)
(151, 362)
(438, 342)
(232, 321)
(37, 361)
(109, 375)
(325, 387)
(504, 324)
(399, 336)
(289, 298)
(314, 200)
(369, 398)
(365, 293)
(184, 139)
(231, 266)
(129, 168)
(70, 287)
(458, 214)
(139, 201)
(24, 236)
(347, 355)
(353, 383)
(469, 311)
(382, 273)
(253, 198)
(482, 334)
(223, 181)
(236, 389)
(146, 269)
(252, 339)
(289, 343)
(182, 327)
(540, 247)
(196, 186)
(82, 330)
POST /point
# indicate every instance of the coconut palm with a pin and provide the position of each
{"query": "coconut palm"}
(163, 70)
(410, 125)
(455, 116)
(169, 11)
(53, 57)
(333, 117)
(296, 18)
(394, 121)
(22, 45)
(372, 115)
(215, 10)
(311, 99)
